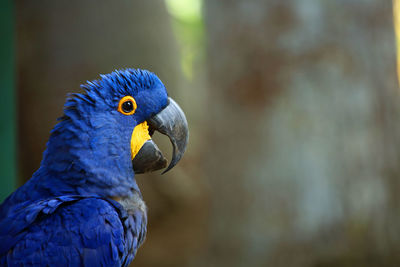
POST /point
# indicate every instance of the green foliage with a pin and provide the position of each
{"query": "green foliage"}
(7, 118)
(187, 22)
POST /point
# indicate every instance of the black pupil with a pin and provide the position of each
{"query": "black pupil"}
(127, 106)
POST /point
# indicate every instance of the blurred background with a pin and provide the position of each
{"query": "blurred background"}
(293, 108)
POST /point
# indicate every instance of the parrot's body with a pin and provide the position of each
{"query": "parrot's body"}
(83, 207)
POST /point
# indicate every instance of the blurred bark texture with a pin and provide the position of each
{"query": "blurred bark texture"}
(61, 44)
(304, 168)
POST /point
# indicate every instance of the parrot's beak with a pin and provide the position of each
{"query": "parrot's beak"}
(171, 121)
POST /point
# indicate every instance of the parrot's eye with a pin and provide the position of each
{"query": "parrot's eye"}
(127, 105)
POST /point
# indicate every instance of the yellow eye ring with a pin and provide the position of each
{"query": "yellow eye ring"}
(127, 105)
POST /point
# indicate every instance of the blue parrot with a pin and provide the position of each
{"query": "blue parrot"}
(83, 207)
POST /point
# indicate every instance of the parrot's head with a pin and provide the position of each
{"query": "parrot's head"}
(104, 137)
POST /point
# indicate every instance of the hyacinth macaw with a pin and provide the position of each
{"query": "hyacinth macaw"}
(83, 207)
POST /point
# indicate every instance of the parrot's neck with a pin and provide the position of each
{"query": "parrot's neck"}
(86, 161)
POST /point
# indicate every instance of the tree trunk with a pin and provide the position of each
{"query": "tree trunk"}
(303, 108)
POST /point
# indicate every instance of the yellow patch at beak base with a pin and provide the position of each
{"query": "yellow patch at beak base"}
(139, 136)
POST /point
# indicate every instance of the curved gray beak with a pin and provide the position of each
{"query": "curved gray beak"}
(171, 121)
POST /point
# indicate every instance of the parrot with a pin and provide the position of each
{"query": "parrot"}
(83, 206)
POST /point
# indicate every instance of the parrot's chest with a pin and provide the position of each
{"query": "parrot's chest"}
(134, 220)
(133, 205)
